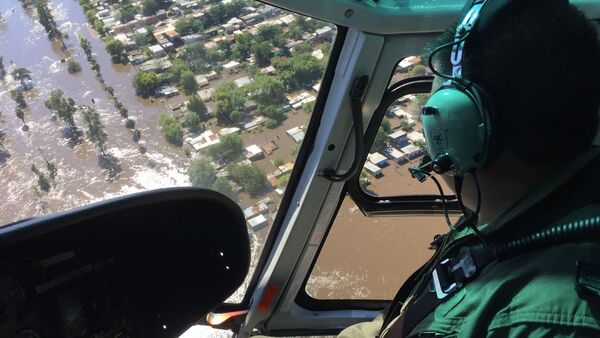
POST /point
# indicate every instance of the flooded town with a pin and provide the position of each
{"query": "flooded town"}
(104, 98)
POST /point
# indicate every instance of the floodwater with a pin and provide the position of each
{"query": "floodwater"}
(80, 180)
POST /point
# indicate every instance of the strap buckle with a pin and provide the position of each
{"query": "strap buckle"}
(449, 275)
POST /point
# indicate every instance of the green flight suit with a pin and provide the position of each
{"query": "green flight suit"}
(534, 295)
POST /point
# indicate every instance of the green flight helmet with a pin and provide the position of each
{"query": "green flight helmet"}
(456, 130)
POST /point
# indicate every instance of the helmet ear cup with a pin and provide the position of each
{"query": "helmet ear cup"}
(457, 128)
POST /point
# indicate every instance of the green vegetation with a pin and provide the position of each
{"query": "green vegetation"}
(363, 180)
(188, 82)
(250, 177)
(202, 173)
(229, 100)
(228, 150)
(277, 161)
(21, 74)
(146, 83)
(262, 53)
(380, 142)
(18, 97)
(95, 130)
(127, 13)
(267, 91)
(188, 26)
(64, 108)
(282, 182)
(150, 7)
(195, 57)
(298, 71)
(275, 116)
(418, 70)
(171, 129)
(116, 50)
(73, 66)
(47, 21)
(20, 114)
(2, 70)
(43, 184)
(240, 50)
(385, 124)
(221, 12)
(222, 185)
(197, 105)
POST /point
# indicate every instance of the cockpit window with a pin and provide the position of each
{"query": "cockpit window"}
(107, 98)
(399, 143)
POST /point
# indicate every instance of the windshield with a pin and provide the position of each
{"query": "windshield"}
(107, 98)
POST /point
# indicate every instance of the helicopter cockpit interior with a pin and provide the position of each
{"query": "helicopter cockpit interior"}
(299, 125)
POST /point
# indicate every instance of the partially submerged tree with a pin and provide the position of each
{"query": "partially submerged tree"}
(94, 128)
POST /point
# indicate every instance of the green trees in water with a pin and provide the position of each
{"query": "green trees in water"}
(94, 128)
(19, 98)
(64, 108)
(73, 66)
(146, 83)
(229, 101)
(171, 129)
(47, 20)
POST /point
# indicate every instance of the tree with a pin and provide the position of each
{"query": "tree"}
(283, 181)
(73, 66)
(419, 70)
(188, 82)
(262, 53)
(42, 182)
(2, 70)
(63, 107)
(298, 71)
(196, 105)
(229, 101)
(271, 33)
(145, 83)
(303, 48)
(268, 91)
(242, 47)
(17, 95)
(177, 69)
(95, 130)
(150, 7)
(202, 173)
(385, 124)
(222, 185)
(250, 177)
(192, 120)
(229, 149)
(47, 21)
(275, 114)
(171, 129)
(20, 114)
(188, 26)
(195, 56)
(277, 161)
(363, 180)
(21, 74)
(128, 13)
(380, 142)
(116, 49)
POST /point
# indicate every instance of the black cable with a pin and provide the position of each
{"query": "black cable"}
(435, 51)
(358, 88)
(471, 217)
(439, 186)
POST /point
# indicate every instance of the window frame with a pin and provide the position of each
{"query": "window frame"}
(305, 149)
(401, 204)
(372, 206)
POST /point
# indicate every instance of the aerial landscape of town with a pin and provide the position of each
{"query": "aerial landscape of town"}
(102, 98)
